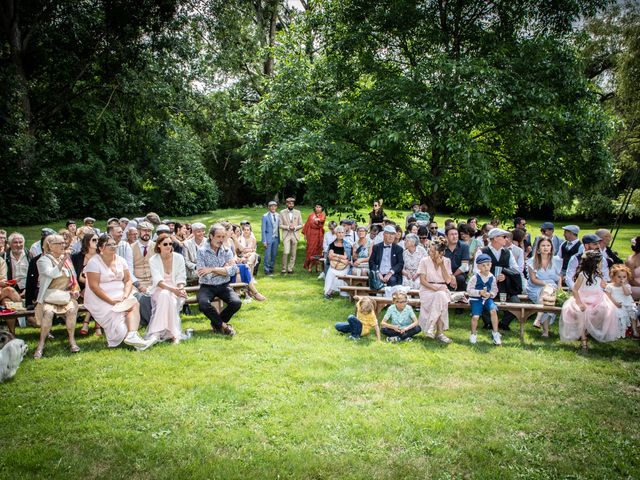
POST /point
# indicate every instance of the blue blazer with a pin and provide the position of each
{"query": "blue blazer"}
(397, 259)
(268, 228)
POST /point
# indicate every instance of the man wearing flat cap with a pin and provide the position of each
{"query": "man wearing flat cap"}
(505, 268)
(570, 247)
(386, 259)
(91, 223)
(270, 236)
(590, 241)
(142, 251)
(290, 224)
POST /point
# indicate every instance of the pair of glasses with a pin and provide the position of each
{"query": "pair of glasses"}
(57, 243)
(94, 240)
(111, 245)
(423, 238)
(433, 228)
(165, 244)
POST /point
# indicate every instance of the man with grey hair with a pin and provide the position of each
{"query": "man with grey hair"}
(216, 267)
(190, 249)
(17, 261)
(610, 256)
(123, 249)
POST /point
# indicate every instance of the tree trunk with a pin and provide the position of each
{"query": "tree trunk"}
(271, 36)
(11, 26)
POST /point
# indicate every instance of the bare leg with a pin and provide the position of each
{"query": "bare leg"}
(494, 320)
(70, 321)
(45, 327)
(474, 324)
(545, 326)
(133, 319)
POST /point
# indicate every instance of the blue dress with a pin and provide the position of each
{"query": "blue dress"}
(550, 275)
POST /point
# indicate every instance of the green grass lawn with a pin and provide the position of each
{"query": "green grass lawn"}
(288, 397)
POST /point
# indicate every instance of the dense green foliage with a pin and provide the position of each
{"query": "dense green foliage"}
(183, 105)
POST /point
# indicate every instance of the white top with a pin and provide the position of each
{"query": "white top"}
(178, 270)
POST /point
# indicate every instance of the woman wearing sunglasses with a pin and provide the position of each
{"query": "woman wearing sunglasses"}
(168, 279)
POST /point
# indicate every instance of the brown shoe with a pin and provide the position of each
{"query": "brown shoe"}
(227, 329)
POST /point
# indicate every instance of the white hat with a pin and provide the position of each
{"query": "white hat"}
(498, 232)
(389, 229)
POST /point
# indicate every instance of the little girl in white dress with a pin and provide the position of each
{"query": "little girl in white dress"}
(619, 291)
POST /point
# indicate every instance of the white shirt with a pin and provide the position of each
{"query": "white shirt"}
(329, 238)
(573, 266)
(19, 268)
(385, 262)
(36, 249)
(124, 251)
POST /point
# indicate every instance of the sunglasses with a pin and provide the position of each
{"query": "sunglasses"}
(94, 240)
(165, 244)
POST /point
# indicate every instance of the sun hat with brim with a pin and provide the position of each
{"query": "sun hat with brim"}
(572, 228)
(498, 232)
(125, 305)
(483, 258)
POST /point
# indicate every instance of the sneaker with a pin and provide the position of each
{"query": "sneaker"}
(497, 338)
(355, 339)
(473, 339)
(393, 339)
(321, 276)
(443, 338)
(135, 340)
(431, 333)
(327, 297)
(408, 339)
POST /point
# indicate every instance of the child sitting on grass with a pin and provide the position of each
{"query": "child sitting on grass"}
(360, 324)
(619, 291)
(404, 323)
(482, 289)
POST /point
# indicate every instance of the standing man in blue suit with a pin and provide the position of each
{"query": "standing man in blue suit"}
(270, 236)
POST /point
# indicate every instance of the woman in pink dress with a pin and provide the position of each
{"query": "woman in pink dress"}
(435, 274)
(108, 284)
(589, 311)
(168, 278)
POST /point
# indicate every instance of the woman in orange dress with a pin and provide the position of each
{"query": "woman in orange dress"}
(313, 231)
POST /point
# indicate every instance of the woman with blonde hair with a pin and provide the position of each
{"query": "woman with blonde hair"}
(58, 291)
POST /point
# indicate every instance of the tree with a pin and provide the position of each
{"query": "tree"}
(464, 104)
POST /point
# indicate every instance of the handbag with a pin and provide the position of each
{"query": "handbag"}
(55, 296)
(549, 296)
(338, 265)
(374, 282)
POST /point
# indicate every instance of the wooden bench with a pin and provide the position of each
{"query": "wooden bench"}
(361, 280)
(521, 311)
(354, 290)
(239, 288)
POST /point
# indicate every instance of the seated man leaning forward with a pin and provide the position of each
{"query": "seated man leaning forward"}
(216, 266)
(386, 259)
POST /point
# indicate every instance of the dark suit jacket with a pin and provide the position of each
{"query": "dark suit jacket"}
(397, 260)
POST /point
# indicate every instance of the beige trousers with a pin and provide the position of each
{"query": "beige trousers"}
(290, 244)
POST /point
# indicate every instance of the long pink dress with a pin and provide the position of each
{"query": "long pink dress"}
(112, 323)
(434, 305)
(165, 314)
(600, 319)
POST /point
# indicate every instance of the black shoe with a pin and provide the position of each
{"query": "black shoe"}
(504, 326)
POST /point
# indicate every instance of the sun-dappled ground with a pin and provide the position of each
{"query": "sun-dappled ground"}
(288, 397)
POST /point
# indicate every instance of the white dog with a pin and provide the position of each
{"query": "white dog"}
(10, 357)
